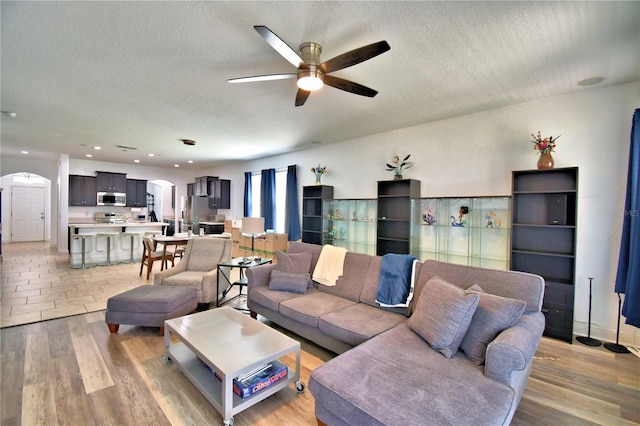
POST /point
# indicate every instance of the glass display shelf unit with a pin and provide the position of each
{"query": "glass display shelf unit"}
(351, 224)
(468, 231)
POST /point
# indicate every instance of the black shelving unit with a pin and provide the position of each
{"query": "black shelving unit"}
(394, 215)
(543, 239)
(314, 230)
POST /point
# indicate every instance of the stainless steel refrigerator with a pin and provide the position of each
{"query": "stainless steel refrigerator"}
(197, 207)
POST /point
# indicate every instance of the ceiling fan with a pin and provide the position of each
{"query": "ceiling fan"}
(311, 73)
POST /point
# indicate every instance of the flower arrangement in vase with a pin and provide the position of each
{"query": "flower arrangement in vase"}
(397, 167)
(319, 171)
(545, 147)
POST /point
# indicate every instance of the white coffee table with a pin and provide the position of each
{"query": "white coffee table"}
(231, 343)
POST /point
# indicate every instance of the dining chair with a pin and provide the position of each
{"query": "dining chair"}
(150, 255)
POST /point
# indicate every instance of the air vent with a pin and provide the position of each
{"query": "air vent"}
(126, 147)
(189, 142)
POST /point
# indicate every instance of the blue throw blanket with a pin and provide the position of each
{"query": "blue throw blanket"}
(395, 286)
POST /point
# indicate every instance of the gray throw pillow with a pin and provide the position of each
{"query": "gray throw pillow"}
(289, 281)
(297, 262)
(493, 315)
(442, 315)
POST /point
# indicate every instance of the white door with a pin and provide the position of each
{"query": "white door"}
(27, 213)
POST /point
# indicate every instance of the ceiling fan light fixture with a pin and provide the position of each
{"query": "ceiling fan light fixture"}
(310, 79)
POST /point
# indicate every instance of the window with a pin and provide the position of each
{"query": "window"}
(281, 192)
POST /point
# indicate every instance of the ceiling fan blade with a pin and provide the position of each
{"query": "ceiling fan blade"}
(266, 77)
(301, 97)
(349, 86)
(355, 56)
(280, 46)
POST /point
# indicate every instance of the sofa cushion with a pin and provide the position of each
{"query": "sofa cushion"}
(289, 281)
(300, 247)
(358, 323)
(397, 379)
(494, 314)
(185, 278)
(294, 262)
(350, 283)
(308, 309)
(443, 314)
(271, 299)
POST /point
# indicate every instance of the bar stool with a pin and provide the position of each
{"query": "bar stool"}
(132, 235)
(82, 237)
(108, 236)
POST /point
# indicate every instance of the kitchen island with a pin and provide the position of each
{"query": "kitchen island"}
(96, 247)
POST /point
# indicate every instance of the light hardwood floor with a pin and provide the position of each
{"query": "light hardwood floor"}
(72, 371)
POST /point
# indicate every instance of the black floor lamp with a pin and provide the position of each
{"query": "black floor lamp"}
(588, 340)
(617, 347)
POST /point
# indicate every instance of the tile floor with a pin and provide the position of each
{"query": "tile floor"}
(38, 284)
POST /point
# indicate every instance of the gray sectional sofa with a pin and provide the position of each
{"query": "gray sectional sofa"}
(393, 367)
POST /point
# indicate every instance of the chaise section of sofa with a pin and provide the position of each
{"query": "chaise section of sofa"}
(397, 378)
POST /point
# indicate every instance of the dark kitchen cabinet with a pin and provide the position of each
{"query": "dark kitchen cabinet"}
(111, 182)
(82, 191)
(543, 239)
(394, 215)
(136, 193)
(220, 194)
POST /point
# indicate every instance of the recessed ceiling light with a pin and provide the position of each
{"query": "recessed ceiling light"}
(590, 81)
(24, 152)
(9, 114)
(176, 165)
(97, 148)
(190, 161)
(136, 161)
(150, 155)
(89, 155)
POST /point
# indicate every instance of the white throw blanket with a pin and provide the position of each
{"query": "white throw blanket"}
(330, 265)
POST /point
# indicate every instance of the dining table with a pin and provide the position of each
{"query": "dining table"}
(171, 240)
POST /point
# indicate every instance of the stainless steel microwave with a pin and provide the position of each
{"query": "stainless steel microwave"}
(118, 199)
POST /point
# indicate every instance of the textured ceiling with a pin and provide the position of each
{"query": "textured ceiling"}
(146, 74)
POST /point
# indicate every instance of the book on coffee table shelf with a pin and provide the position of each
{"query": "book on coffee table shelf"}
(255, 380)
(259, 379)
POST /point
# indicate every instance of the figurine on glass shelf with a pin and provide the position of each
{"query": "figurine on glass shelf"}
(461, 220)
(490, 218)
(429, 217)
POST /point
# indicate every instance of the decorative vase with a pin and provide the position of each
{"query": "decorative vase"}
(397, 177)
(545, 161)
(318, 179)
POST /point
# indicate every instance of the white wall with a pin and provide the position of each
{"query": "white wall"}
(475, 154)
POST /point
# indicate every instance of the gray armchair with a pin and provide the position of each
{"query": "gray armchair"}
(199, 267)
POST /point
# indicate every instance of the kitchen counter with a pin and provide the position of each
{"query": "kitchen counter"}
(96, 248)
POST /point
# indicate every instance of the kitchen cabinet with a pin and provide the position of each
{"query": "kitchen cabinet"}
(543, 239)
(82, 191)
(111, 182)
(191, 189)
(314, 223)
(220, 194)
(394, 215)
(136, 193)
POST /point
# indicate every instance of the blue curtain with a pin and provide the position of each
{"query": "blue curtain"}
(268, 198)
(247, 194)
(628, 276)
(292, 212)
